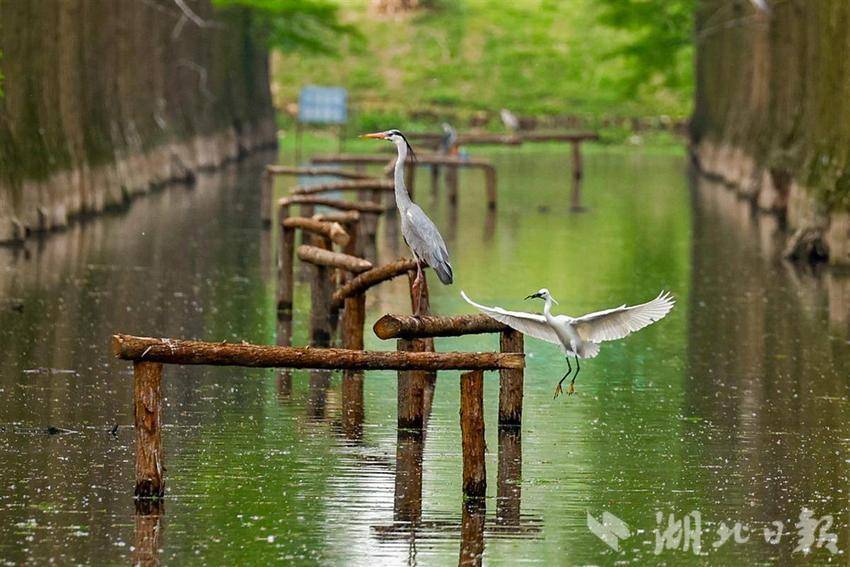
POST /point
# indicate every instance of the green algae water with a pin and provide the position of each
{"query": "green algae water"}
(732, 411)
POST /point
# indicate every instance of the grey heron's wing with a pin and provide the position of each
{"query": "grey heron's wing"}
(425, 240)
(531, 324)
(619, 322)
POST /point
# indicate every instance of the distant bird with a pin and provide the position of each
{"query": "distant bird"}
(509, 119)
(420, 233)
(448, 143)
(580, 336)
(761, 5)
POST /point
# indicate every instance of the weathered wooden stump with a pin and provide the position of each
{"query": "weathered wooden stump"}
(472, 520)
(509, 477)
(472, 434)
(510, 382)
(352, 405)
(147, 417)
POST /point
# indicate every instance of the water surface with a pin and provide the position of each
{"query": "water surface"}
(735, 406)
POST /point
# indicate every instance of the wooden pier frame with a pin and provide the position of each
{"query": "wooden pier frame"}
(273, 171)
(452, 162)
(510, 381)
(149, 354)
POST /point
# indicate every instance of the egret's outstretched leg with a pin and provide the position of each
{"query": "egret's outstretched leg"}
(558, 389)
(572, 390)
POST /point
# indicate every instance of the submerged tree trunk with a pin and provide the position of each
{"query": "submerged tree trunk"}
(772, 112)
(103, 99)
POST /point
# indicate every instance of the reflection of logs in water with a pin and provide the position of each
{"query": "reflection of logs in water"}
(352, 405)
(472, 532)
(407, 502)
(148, 532)
(509, 478)
(320, 381)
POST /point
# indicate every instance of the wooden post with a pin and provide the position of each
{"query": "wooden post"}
(352, 404)
(509, 477)
(266, 190)
(411, 388)
(320, 292)
(490, 179)
(578, 173)
(407, 499)
(472, 434)
(286, 259)
(575, 198)
(452, 183)
(317, 395)
(353, 321)
(147, 416)
(435, 179)
(472, 533)
(510, 382)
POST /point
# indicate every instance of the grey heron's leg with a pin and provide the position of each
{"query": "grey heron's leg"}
(417, 286)
(558, 389)
(572, 389)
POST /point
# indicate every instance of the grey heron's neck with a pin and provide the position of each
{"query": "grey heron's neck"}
(402, 197)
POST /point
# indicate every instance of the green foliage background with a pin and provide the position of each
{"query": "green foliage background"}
(589, 58)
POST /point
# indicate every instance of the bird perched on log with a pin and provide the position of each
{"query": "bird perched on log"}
(579, 337)
(509, 119)
(420, 233)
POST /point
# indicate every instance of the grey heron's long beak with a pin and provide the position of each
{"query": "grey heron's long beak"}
(376, 135)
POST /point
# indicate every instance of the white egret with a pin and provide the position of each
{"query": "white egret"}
(580, 336)
(420, 233)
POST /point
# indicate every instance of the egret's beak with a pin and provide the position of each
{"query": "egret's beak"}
(376, 135)
(533, 296)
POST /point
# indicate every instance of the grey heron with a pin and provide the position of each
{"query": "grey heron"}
(420, 233)
(579, 337)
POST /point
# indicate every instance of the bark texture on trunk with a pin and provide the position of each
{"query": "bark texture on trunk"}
(772, 116)
(105, 99)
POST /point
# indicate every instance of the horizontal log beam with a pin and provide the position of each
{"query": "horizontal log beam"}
(357, 185)
(372, 278)
(426, 159)
(409, 327)
(321, 257)
(360, 206)
(343, 217)
(473, 138)
(177, 351)
(315, 172)
(331, 230)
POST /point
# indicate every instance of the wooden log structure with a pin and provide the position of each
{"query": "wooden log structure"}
(180, 351)
(412, 384)
(322, 257)
(451, 161)
(330, 230)
(147, 418)
(373, 277)
(346, 218)
(359, 206)
(272, 170)
(355, 185)
(510, 382)
(409, 327)
(472, 434)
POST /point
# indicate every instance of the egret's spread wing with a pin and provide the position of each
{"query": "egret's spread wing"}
(619, 322)
(425, 240)
(531, 324)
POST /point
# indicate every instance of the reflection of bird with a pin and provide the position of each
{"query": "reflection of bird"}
(419, 232)
(448, 143)
(580, 336)
(509, 119)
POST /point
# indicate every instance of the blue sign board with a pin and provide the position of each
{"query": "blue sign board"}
(323, 105)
